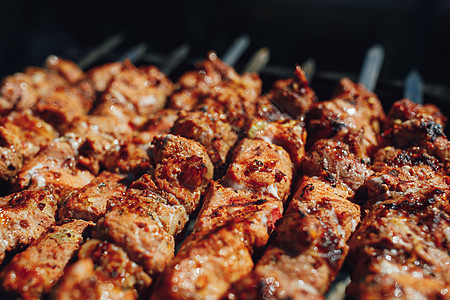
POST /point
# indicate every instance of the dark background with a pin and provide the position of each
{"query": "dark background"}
(414, 33)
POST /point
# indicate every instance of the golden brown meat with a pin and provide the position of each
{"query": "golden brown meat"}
(24, 217)
(36, 270)
(208, 125)
(102, 270)
(236, 218)
(90, 202)
(401, 249)
(156, 208)
(353, 111)
(293, 96)
(134, 93)
(309, 245)
(405, 109)
(22, 135)
(289, 134)
(55, 167)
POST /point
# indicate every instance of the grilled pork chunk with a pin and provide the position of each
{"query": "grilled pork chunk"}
(25, 215)
(102, 270)
(36, 270)
(237, 217)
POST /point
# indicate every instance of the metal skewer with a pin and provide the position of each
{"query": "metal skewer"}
(258, 61)
(135, 54)
(100, 51)
(174, 59)
(309, 67)
(414, 87)
(371, 67)
(236, 50)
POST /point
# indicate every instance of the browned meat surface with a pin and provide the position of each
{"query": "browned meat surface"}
(260, 167)
(333, 162)
(55, 167)
(405, 109)
(24, 216)
(62, 105)
(293, 96)
(208, 126)
(99, 136)
(353, 111)
(132, 158)
(134, 93)
(183, 169)
(101, 76)
(34, 271)
(308, 249)
(22, 135)
(102, 270)
(310, 243)
(424, 133)
(156, 208)
(66, 68)
(400, 249)
(90, 202)
(26, 132)
(236, 218)
(289, 134)
(17, 92)
(143, 238)
(158, 123)
(215, 82)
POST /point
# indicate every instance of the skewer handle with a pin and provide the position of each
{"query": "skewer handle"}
(414, 87)
(371, 67)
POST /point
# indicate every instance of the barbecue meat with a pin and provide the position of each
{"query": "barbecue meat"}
(22, 135)
(24, 217)
(405, 109)
(102, 270)
(209, 127)
(289, 134)
(90, 202)
(55, 167)
(236, 218)
(134, 93)
(34, 271)
(353, 110)
(293, 96)
(101, 76)
(400, 248)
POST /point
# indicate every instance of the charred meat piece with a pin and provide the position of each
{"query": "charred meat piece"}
(102, 269)
(22, 135)
(63, 105)
(208, 125)
(101, 76)
(24, 217)
(99, 136)
(131, 159)
(34, 271)
(55, 167)
(90, 202)
(156, 208)
(310, 243)
(289, 134)
(260, 167)
(401, 247)
(157, 124)
(424, 133)
(216, 82)
(308, 249)
(353, 109)
(236, 218)
(333, 162)
(405, 109)
(293, 96)
(134, 93)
